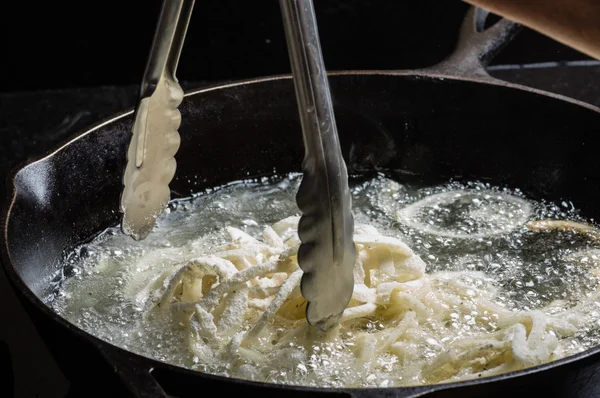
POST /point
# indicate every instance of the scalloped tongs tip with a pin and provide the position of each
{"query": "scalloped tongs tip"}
(155, 140)
(327, 253)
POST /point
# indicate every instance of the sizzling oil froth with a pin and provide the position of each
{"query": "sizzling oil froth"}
(472, 232)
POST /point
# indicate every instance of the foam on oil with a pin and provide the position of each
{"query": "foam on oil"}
(458, 227)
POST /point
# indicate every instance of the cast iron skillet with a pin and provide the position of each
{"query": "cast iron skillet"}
(427, 126)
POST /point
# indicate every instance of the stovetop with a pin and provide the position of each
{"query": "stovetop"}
(33, 122)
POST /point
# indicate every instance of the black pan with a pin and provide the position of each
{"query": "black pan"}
(427, 126)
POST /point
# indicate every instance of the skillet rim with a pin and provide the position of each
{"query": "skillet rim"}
(150, 364)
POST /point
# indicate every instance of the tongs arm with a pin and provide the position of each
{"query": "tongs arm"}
(155, 140)
(326, 228)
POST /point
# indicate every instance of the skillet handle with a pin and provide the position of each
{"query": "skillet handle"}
(476, 46)
(135, 376)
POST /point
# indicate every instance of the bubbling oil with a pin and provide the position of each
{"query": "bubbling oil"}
(452, 227)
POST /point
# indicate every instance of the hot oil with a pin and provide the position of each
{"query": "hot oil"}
(533, 268)
(530, 269)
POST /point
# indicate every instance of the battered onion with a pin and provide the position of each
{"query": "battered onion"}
(241, 305)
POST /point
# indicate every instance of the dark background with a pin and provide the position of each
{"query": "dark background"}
(66, 44)
(66, 64)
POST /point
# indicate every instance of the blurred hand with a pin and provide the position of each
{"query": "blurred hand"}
(575, 23)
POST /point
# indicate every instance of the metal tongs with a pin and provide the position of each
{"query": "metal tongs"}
(327, 253)
(150, 159)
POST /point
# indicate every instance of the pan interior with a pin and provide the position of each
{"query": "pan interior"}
(418, 131)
